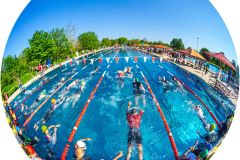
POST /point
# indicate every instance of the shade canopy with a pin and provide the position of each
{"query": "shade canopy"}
(161, 46)
(193, 53)
(221, 57)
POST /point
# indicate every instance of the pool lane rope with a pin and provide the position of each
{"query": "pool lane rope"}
(170, 136)
(22, 103)
(40, 106)
(38, 88)
(82, 113)
(195, 95)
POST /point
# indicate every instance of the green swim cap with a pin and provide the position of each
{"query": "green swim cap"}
(212, 127)
(136, 79)
(81, 81)
(44, 92)
(44, 128)
(204, 153)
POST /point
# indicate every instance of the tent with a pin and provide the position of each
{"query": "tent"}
(221, 58)
(162, 47)
(192, 53)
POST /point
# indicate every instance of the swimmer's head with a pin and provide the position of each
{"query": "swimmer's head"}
(212, 127)
(133, 111)
(44, 92)
(136, 80)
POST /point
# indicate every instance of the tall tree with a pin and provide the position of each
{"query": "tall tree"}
(203, 50)
(61, 44)
(122, 40)
(106, 42)
(177, 44)
(88, 41)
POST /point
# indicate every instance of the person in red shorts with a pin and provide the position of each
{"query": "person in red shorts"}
(134, 116)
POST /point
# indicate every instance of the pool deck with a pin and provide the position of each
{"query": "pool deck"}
(49, 70)
(197, 72)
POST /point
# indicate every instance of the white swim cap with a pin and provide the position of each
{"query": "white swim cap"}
(81, 144)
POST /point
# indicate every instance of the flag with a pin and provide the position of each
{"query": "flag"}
(127, 58)
(145, 59)
(136, 59)
(107, 60)
(116, 59)
(92, 61)
(153, 59)
(84, 61)
(100, 60)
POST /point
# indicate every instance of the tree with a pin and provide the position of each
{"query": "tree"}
(44, 45)
(177, 44)
(106, 42)
(9, 63)
(203, 50)
(114, 41)
(88, 41)
(61, 44)
(122, 40)
(70, 31)
(134, 41)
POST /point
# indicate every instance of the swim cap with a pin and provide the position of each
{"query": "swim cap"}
(204, 153)
(81, 144)
(133, 111)
(136, 80)
(17, 128)
(81, 81)
(44, 92)
(44, 128)
(30, 149)
(212, 127)
(53, 101)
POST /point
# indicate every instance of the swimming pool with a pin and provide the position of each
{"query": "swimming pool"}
(105, 118)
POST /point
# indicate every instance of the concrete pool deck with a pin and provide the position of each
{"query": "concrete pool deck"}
(49, 70)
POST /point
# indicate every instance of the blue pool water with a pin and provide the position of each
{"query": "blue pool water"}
(105, 119)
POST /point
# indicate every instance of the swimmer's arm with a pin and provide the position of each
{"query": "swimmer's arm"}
(119, 155)
(54, 126)
(200, 135)
(142, 88)
(86, 139)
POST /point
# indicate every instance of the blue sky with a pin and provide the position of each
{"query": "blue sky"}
(152, 19)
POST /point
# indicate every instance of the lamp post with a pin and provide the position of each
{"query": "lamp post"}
(197, 44)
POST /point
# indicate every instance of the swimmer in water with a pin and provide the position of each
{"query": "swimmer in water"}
(50, 137)
(95, 70)
(120, 76)
(180, 86)
(128, 72)
(41, 96)
(74, 83)
(138, 91)
(163, 80)
(48, 114)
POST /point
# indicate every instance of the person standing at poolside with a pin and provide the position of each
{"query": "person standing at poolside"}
(134, 116)
(138, 91)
